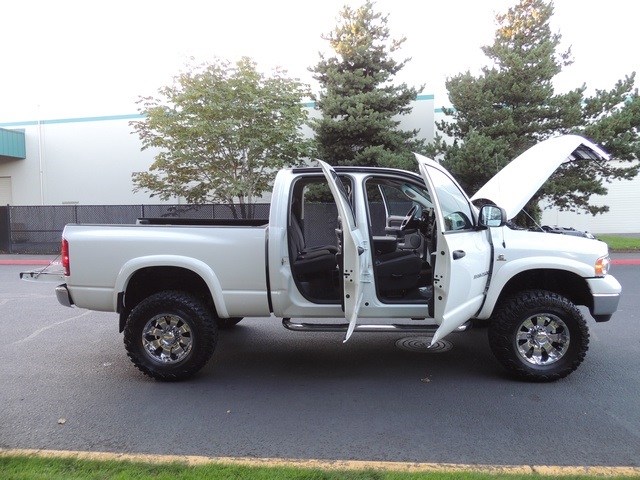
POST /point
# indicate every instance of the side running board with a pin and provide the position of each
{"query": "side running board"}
(342, 327)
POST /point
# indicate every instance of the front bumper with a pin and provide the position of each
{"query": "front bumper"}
(605, 292)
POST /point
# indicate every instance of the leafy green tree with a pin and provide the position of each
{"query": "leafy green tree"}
(512, 105)
(222, 131)
(358, 103)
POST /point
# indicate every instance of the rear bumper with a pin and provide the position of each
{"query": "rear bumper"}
(605, 292)
(63, 295)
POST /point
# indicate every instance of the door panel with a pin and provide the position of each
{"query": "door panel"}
(354, 250)
(462, 253)
(460, 276)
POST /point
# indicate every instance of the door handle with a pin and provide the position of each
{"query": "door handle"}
(458, 254)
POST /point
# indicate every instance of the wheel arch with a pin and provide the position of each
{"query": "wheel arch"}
(562, 282)
(143, 279)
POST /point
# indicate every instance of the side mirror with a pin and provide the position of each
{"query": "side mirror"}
(492, 216)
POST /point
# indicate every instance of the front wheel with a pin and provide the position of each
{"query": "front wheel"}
(539, 336)
(170, 335)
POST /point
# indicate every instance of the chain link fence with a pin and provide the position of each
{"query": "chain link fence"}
(38, 229)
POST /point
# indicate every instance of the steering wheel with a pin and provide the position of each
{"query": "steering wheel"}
(408, 217)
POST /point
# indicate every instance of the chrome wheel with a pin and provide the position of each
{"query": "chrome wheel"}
(542, 339)
(539, 335)
(170, 335)
(167, 338)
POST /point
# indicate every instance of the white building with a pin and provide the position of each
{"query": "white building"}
(623, 200)
(89, 161)
(86, 161)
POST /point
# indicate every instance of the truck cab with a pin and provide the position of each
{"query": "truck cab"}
(387, 250)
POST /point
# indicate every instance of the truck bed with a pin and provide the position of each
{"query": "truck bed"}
(230, 259)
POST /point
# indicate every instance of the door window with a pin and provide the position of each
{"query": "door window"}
(455, 207)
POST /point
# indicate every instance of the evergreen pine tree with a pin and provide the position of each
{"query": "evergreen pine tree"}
(512, 105)
(358, 103)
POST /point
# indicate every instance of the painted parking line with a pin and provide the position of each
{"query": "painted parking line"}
(626, 261)
(25, 262)
(189, 460)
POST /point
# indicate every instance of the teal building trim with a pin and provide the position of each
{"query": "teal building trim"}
(106, 118)
(12, 144)
(133, 116)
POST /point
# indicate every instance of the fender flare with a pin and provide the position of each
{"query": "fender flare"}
(188, 263)
(503, 275)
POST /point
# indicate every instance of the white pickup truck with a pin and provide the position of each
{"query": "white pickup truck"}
(411, 251)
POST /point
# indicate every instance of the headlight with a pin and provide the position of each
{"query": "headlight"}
(602, 266)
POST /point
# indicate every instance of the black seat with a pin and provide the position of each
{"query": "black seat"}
(309, 260)
(299, 242)
(397, 270)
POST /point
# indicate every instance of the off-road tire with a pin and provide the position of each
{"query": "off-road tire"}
(170, 335)
(523, 330)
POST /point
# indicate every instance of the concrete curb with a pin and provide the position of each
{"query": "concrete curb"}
(188, 460)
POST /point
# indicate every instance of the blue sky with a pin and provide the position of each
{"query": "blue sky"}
(68, 58)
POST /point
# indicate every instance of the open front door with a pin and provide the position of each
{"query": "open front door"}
(462, 253)
(353, 250)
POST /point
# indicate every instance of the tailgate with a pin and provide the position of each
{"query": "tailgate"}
(52, 273)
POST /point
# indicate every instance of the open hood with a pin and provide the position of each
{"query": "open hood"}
(513, 186)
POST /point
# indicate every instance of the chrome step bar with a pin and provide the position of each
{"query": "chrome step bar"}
(372, 328)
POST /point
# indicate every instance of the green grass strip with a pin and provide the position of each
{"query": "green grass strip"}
(621, 244)
(28, 467)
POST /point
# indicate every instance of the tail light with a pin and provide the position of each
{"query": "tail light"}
(65, 257)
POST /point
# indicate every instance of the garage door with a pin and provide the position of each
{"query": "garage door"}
(5, 191)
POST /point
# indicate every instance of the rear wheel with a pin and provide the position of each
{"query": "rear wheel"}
(539, 336)
(170, 335)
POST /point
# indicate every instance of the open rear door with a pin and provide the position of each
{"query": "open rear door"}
(462, 253)
(353, 250)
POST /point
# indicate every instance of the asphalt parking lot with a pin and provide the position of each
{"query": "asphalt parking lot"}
(68, 385)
